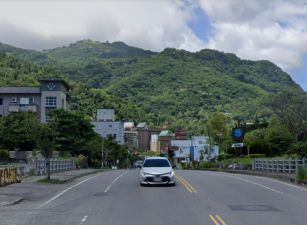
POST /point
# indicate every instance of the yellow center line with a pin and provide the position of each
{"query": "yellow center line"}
(220, 219)
(187, 183)
(217, 220)
(214, 220)
(187, 187)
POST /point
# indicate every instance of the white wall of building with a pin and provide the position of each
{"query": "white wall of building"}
(105, 115)
(114, 128)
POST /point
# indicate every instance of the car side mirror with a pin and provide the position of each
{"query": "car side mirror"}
(174, 166)
(139, 166)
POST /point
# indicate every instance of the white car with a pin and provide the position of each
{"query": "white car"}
(157, 170)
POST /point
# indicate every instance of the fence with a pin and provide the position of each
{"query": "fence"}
(8, 175)
(39, 167)
(279, 166)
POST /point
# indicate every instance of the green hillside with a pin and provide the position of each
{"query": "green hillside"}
(174, 85)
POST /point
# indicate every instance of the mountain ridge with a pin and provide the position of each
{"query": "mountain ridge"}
(173, 85)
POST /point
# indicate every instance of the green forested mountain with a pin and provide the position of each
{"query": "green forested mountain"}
(174, 85)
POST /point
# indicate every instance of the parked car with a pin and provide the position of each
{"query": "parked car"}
(157, 170)
(138, 163)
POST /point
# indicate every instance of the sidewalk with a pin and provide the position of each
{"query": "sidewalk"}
(64, 176)
(30, 189)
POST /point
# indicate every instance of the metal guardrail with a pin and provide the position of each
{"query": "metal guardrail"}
(279, 166)
(56, 165)
(8, 176)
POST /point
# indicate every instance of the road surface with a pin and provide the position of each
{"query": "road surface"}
(199, 198)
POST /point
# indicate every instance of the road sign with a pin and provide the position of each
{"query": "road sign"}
(237, 145)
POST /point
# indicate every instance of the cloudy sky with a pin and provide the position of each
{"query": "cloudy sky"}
(275, 30)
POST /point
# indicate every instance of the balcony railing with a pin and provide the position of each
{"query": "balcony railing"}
(23, 108)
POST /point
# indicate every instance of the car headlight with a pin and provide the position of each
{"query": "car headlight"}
(171, 173)
(145, 174)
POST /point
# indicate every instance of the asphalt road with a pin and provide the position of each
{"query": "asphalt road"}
(199, 198)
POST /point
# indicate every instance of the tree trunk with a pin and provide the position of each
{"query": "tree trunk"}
(48, 167)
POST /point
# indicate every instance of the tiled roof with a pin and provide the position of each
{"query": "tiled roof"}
(164, 133)
(141, 125)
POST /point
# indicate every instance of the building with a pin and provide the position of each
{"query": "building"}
(105, 115)
(106, 126)
(165, 138)
(154, 143)
(195, 149)
(181, 135)
(51, 94)
(181, 150)
(144, 135)
(130, 136)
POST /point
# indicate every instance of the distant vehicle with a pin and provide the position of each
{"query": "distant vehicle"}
(157, 170)
(114, 167)
(138, 163)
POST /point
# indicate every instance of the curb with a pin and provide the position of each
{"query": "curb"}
(16, 201)
(65, 181)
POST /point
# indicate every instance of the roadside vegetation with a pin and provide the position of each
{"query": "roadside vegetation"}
(205, 93)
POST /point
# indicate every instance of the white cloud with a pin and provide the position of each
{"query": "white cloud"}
(259, 29)
(253, 29)
(147, 24)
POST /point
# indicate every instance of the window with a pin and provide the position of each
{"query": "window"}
(156, 163)
(14, 99)
(31, 100)
(24, 101)
(47, 118)
(51, 101)
(1, 101)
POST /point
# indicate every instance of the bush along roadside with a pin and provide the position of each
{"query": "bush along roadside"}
(301, 175)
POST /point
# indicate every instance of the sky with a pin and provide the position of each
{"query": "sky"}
(274, 30)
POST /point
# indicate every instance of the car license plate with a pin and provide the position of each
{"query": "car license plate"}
(158, 179)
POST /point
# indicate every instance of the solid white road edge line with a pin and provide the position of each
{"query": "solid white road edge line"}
(108, 188)
(281, 182)
(64, 191)
(269, 179)
(251, 182)
(83, 220)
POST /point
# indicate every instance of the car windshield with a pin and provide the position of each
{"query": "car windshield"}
(156, 163)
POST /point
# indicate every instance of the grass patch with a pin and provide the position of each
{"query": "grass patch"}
(54, 181)
(239, 160)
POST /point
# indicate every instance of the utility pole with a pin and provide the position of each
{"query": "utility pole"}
(102, 153)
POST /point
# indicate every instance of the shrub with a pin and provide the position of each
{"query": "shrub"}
(224, 156)
(256, 155)
(81, 162)
(207, 165)
(96, 164)
(4, 154)
(301, 174)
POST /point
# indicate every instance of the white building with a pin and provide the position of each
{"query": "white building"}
(105, 115)
(181, 150)
(154, 143)
(105, 125)
(194, 149)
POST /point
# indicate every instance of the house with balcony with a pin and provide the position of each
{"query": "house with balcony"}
(51, 94)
